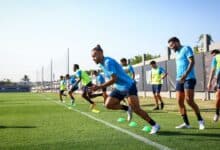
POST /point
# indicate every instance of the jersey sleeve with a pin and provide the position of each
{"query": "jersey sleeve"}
(111, 68)
(189, 52)
(214, 63)
(79, 74)
(162, 71)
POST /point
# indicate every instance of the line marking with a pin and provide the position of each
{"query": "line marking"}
(136, 136)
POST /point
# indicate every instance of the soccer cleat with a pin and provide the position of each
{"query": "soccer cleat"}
(155, 129)
(183, 126)
(92, 106)
(216, 117)
(156, 108)
(161, 105)
(129, 112)
(201, 125)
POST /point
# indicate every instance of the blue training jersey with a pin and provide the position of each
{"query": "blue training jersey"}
(100, 79)
(182, 62)
(112, 67)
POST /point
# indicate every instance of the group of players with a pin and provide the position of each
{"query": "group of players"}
(122, 77)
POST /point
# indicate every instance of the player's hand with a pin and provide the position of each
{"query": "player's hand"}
(182, 79)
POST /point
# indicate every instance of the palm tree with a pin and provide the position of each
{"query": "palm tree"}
(201, 40)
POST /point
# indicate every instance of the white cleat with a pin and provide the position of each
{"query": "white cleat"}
(201, 125)
(183, 126)
(155, 129)
(129, 112)
(216, 117)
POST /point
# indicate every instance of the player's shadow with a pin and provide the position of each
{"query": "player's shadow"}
(19, 127)
(176, 133)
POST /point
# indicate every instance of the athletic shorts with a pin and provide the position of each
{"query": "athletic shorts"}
(104, 89)
(156, 88)
(85, 88)
(132, 91)
(188, 84)
(62, 92)
(73, 88)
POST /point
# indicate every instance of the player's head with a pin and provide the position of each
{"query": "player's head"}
(215, 52)
(95, 73)
(153, 64)
(174, 43)
(67, 76)
(124, 62)
(75, 67)
(97, 54)
(61, 78)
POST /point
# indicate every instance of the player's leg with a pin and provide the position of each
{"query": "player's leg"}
(217, 114)
(155, 97)
(189, 86)
(159, 97)
(180, 96)
(86, 97)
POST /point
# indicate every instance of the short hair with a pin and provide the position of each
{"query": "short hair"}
(67, 75)
(61, 77)
(98, 48)
(215, 51)
(174, 39)
(94, 72)
(76, 66)
(123, 60)
(153, 62)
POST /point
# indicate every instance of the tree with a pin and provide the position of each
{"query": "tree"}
(138, 59)
(25, 79)
(201, 40)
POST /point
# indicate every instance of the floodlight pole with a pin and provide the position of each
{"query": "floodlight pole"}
(68, 60)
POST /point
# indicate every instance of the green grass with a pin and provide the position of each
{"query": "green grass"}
(30, 121)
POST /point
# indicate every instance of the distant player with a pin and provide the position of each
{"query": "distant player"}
(101, 80)
(157, 76)
(62, 89)
(215, 72)
(71, 87)
(186, 81)
(128, 68)
(86, 81)
(124, 87)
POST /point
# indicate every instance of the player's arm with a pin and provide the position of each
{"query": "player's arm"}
(132, 71)
(212, 72)
(189, 68)
(164, 73)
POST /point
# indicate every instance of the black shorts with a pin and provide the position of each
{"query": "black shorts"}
(188, 84)
(73, 88)
(132, 91)
(104, 89)
(62, 92)
(85, 88)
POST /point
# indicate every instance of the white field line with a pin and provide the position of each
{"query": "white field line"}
(134, 135)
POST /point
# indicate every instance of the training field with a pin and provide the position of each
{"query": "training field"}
(39, 121)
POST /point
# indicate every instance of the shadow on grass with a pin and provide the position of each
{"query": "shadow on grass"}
(176, 133)
(19, 127)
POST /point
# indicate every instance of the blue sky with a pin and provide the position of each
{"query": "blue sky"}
(34, 31)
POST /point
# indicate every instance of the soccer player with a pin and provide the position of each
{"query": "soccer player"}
(186, 81)
(157, 76)
(128, 68)
(101, 80)
(215, 71)
(87, 84)
(124, 87)
(62, 88)
(71, 87)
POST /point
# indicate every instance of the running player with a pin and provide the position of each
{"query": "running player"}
(124, 87)
(101, 80)
(157, 76)
(215, 70)
(186, 81)
(87, 84)
(71, 87)
(128, 68)
(62, 89)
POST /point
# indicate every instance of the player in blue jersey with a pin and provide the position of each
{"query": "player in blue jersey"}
(71, 86)
(101, 80)
(185, 81)
(124, 86)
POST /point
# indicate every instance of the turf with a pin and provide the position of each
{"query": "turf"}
(32, 121)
